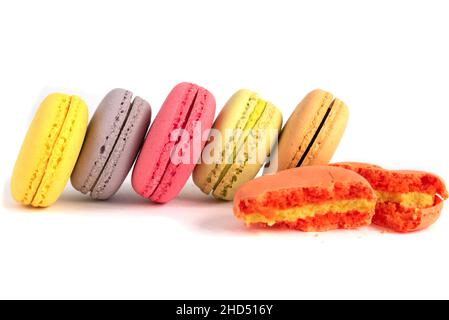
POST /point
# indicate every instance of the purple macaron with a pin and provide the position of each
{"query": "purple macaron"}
(114, 137)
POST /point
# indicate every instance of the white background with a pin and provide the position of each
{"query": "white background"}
(388, 60)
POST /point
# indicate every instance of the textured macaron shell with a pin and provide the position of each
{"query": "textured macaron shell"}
(159, 143)
(300, 128)
(429, 215)
(234, 116)
(49, 151)
(352, 165)
(323, 177)
(102, 133)
(240, 172)
(125, 150)
(113, 139)
(244, 111)
(398, 181)
(155, 175)
(329, 136)
(405, 220)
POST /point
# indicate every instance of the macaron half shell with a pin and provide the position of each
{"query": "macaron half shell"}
(407, 200)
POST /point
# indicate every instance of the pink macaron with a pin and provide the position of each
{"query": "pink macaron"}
(174, 143)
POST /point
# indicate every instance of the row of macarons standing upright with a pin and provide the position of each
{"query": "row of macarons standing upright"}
(97, 156)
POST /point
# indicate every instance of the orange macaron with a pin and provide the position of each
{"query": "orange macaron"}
(312, 198)
(312, 132)
(406, 200)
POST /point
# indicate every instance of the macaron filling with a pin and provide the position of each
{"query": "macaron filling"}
(407, 199)
(271, 217)
(283, 198)
(312, 208)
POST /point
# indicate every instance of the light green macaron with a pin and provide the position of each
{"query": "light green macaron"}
(239, 144)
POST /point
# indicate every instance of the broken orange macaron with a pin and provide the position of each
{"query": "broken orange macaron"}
(406, 200)
(312, 198)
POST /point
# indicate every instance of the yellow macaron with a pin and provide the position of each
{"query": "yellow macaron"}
(241, 140)
(50, 150)
(312, 133)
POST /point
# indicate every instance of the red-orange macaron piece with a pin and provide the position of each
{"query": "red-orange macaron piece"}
(407, 200)
(312, 198)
